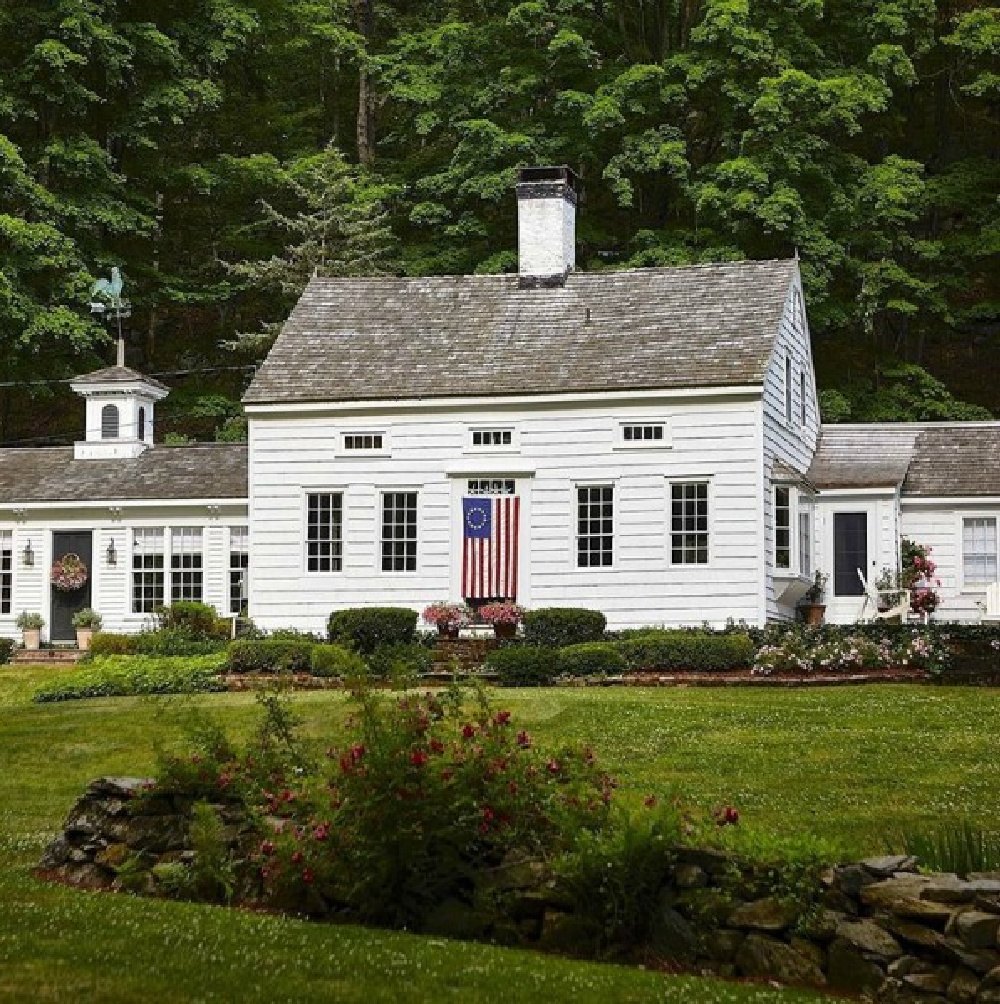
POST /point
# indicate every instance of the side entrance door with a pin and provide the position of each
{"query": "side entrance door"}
(66, 603)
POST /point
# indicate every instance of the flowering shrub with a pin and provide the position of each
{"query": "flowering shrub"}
(69, 573)
(501, 613)
(446, 615)
(917, 574)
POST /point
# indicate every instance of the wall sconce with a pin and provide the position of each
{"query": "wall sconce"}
(28, 556)
(112, 553)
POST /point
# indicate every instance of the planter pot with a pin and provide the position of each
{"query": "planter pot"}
(447, 631)
(505, 631)
(32, 639)
(83, 636)
(812, 613)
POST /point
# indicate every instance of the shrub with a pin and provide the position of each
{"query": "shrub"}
(332, 660)
(956, 846)
(591, 658)
(269, 655)
(365, 628)
(115, 676)
(175, 641)
(524, 665)
(558, 627)
(87, 618)
(669, 651)
(196, 619)
(396, 661)
(110, 643)
(7, 646)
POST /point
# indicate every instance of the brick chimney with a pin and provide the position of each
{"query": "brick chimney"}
(546, 224)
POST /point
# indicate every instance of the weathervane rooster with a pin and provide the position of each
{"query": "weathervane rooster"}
(107, 295)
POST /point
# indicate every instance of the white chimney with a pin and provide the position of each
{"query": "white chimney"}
(546, 222)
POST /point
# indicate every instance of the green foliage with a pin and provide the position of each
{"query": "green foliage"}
(666, 651)
(332, 660)
(366, 628)
(399, 661)
(561, 626)
(109, 643)
(123, 676)
(175, 641)
(524, 665)
(29, 620)
(87, 618)
(199, 620)
(270, 655)
(212, 873)
(952, 845)
(591, 658)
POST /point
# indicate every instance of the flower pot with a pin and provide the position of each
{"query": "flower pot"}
(505, 631)
(83, 636)
(812, 613)
(32, 639)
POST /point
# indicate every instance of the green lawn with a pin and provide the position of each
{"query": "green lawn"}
(842, 763)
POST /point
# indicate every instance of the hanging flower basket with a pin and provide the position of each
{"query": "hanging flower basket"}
(69, 573)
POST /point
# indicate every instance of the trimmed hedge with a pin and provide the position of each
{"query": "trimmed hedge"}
(199, 620)
(366, 628)
(333, 660)
(269, 655)
(110, 643)
(405, 660)
(558, 627)
(591, 658)
(6, 649)
(124, 676)
(667, 651)
(524, 665)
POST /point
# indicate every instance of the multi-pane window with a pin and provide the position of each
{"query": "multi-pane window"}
(492, 437)
(399, 532)
(689, 523)
(363, 441)
(595, 519)
(653, 432)
(788, 389)
(147, 570)
(186, 576)
(491, 486)
(782, 526)
(324, 531)
(805, 543)
(6, 570)
(239, 563)
(979, 550)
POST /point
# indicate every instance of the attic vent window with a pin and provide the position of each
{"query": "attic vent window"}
(358, 441)
(492, 437)
(109, 422)
(491, 486)
(638, 435)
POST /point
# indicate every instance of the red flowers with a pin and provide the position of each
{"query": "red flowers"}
(468, 731)
(649, 801)
(552, 766)
(267, 848)
(501, 718)
(418, 758)
(726, 816)
(436, 746)
(321, 832)
(523, 740)
(307, 876)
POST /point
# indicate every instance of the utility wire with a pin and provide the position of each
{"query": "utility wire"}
(163, 373)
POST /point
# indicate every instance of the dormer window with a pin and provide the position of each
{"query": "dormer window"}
(109, 421)
(141, 424)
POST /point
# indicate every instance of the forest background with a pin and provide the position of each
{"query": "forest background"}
(220, 150)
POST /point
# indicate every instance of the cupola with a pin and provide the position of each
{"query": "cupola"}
(546, 224)
(119, 413)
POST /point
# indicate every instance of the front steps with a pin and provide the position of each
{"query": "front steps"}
(58, 656)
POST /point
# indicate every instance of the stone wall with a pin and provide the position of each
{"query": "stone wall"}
(877, 927)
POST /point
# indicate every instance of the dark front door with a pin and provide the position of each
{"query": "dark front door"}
(850, 552)
(66, 603)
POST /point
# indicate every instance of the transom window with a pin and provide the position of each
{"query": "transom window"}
(324, 531)
(643, 433)
(979, 550)
(595, 526)
(363, 441)
(492, 437)
(399, 532)
(491, 486)
(782, 526)
(186, 573)
(147, 570)
(109, 421)
(689, 523)
(6, 570)
(239, 563)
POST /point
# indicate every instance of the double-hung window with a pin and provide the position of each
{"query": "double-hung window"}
(689, 523)
(595, 526)
(147, 570)
(6, 570)
(979, 550)
(399, 531)
(239, 563)
(324, 531)
(186, 565)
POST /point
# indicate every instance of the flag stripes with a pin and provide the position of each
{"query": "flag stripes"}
(489, 564)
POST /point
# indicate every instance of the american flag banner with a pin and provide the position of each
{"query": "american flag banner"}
(489, 547)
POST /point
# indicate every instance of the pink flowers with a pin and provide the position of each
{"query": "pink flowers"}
(501, 613)
(321, 832)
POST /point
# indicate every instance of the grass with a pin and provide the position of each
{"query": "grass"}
(842, 763)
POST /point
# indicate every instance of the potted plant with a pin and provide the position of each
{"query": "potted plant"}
(447, 617)
(812, 606)
(86, 622)
(503, 616)
(31, 625)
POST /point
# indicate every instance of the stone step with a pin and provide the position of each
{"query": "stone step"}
(46, 656)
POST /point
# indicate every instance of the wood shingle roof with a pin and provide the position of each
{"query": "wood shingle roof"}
(862, 456)
(445, 336)
(955, 460)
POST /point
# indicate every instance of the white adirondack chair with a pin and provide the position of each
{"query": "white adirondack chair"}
(992, 602)
(896, 601)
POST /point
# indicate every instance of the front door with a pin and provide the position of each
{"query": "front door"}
(491, 519)
(65, 603)
(850, 552)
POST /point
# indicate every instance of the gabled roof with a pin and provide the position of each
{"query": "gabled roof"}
(955, 460)
(116, 374)
(863, 456)
(446, 336)
(171, 473)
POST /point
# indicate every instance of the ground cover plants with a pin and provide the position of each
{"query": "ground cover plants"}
(130, 675)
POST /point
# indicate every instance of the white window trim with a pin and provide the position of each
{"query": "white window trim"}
(978, 588)
(668, 509)
(167, 528)
(615, 485)
(621, 443)
(382, 491)
(304, 535)
(796, 506)
(788, 396)
(385, 450)
(514, 446)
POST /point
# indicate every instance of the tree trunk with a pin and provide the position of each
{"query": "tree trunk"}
(365, 12)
